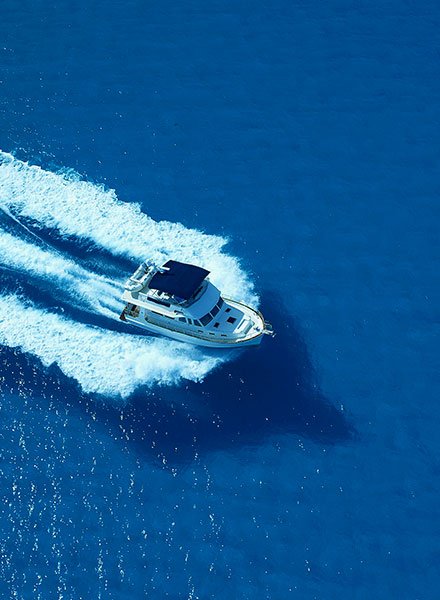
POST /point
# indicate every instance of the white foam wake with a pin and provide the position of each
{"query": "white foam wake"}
(103, 362)
(76, 207)
(96, 292)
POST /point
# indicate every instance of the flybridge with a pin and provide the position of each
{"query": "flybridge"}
(178, 279)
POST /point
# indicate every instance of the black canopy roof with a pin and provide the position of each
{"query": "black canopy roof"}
(180, 279)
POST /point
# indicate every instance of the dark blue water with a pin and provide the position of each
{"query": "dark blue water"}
(307, 134)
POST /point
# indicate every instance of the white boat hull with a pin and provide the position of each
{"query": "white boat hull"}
(195, 340)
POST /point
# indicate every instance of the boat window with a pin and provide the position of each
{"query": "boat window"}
(182, 319)
(157, 301)
(196, 322)
(190, 321)
(228, 310)
(220, 303)
(231, 320)
(206, 319)
(216, 325)
(215, 310)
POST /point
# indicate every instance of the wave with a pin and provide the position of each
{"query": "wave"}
(96, 292)
(65, 202)
(101, 360)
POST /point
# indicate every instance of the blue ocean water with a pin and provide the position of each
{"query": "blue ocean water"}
(292, 148)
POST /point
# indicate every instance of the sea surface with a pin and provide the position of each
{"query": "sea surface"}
(292, 148)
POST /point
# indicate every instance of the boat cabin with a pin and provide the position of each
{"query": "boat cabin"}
(179, 297)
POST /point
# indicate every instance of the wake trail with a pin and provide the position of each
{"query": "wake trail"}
(85, 289)
(101, 360)
(65, 202)
(8, 213)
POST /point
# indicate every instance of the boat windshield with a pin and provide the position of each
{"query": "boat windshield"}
(206, 319)
(209, 316)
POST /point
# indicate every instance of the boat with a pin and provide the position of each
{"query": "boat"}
(179, 301)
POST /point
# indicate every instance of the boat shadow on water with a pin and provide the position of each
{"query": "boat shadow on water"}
(262, 392)
(271, 389)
